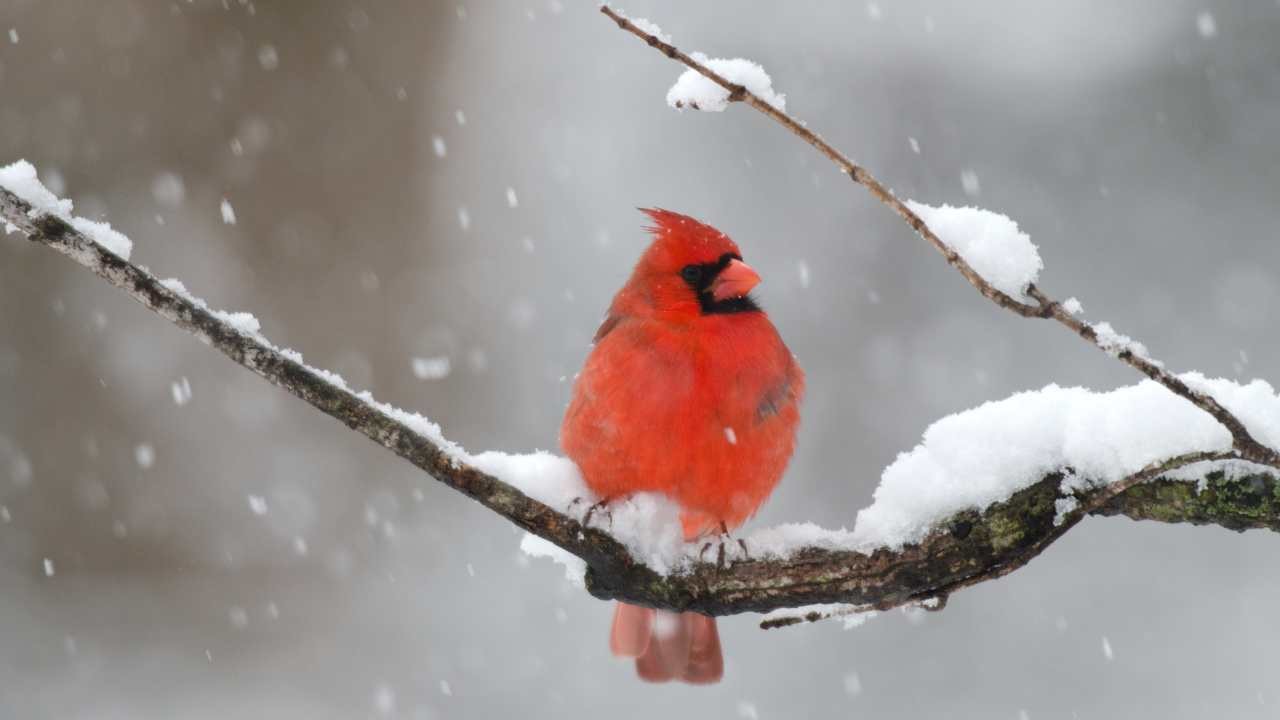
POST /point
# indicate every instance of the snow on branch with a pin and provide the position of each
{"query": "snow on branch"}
(989, 242)
(692, 90)
(20, 178)
(27, 208)
(1095, 440)
(951, 513)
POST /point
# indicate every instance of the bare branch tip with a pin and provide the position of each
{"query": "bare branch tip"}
(775, 623)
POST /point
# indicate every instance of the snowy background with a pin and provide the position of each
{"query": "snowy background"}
(436, 200)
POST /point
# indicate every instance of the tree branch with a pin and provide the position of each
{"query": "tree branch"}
(968, 548)
(1044, 307)
(258, 355)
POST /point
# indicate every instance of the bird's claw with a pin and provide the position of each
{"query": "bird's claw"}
(591, 511)
(719, 542)
(720, 561)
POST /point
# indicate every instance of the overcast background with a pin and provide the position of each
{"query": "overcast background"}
(367, 149)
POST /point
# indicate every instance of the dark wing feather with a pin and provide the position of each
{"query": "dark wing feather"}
(606, 327)
(779, 396)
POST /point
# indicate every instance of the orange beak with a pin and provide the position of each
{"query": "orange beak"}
(735, 280)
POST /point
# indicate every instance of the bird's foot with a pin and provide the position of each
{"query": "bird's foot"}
(721, 555)
(591, 511)
(720, 559)
(724, 533)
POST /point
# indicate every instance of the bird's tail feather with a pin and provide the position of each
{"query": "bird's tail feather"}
(668, 646)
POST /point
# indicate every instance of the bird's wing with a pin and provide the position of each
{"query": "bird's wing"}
(606, 327)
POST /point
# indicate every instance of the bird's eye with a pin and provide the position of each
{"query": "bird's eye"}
(691, 273)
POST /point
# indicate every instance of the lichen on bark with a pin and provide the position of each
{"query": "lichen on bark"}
(1249, 502)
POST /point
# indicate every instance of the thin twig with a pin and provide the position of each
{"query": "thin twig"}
(1249, 448)
(813, 614)
(1044, 307)
(859, 174)
(594, 546)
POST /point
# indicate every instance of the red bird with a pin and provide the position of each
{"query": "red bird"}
(689, 392)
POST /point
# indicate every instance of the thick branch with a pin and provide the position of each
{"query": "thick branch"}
(1045, 307)
(968, 548)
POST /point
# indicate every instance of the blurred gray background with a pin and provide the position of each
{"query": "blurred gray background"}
(367, 149)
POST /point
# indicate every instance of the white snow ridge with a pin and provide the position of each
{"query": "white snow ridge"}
(990, 242)
(694, 90)
(20, 179)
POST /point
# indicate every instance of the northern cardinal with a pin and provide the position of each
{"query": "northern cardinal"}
(690, 392)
